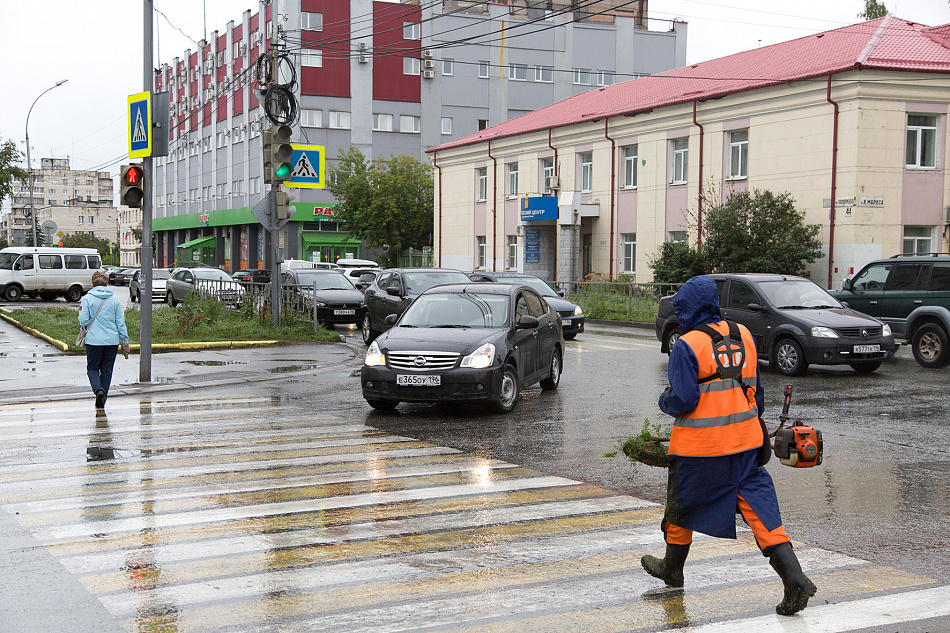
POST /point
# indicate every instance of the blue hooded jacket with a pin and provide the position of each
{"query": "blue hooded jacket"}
(697, 301)
(109, 327)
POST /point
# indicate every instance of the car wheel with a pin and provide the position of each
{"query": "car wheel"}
(170, 299)
(383, 405)
(929, 345)
(368, 333)
(866, 368)
(672, 335)
(508, 394)
(132, 297)
(554, 377)
(74, 294)
(789, 358)
(13, 293)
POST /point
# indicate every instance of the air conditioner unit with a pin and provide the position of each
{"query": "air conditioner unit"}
(428, 63)
(427, 54)
(551, 182)
(428, 74)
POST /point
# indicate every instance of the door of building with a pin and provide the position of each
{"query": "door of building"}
(586, 256)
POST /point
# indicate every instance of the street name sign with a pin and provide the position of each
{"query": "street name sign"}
(140, 125)
(309, 167)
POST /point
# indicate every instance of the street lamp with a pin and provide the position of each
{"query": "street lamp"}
(29, 165)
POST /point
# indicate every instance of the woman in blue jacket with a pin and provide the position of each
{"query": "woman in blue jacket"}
(102, 312)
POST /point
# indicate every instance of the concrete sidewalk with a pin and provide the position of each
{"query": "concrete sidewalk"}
(32, 370)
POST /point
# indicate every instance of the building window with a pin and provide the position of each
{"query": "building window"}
(511, 252)
(448, 67)
(630, 166)
(921, 141)
(518, 72)
(677, 236)
(547, 173)
(483, 69)
(207, 143)
(410, 65)
(582, 76)
(311, 21)
(382, 122)
(482, 124)
(544, 74)
(409, 124)
(447, 125)
(310, 57)
(511, 183)
(481, 251)
(605, 78)
(222, 140)
(680, 156)
(411, 31)
(918, 239)
(481, 184)
(339, 120)
(739, 154)
(82, 219)
(587, 172)
(628, 250)
(311, 118)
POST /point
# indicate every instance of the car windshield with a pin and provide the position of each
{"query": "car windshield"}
(160, 274)
(6, 260)
(417, 283)
(797, 294)
(457, 309)
(212, 274)
(324, 280)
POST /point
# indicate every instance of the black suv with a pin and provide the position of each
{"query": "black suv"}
(794, 323)
(911, 293)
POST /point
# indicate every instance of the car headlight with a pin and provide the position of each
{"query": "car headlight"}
(578, 311)
(320, 304)
(823, 332)
(374, 357)
(480, 358)
(886, 330)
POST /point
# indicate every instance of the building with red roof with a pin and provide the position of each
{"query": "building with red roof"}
(851, 122)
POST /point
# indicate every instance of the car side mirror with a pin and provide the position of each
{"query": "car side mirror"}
(844, 303)
(846, 285)
(391, 319)
(527, 322)
(560, 293)
(755, 307)
(394, 291)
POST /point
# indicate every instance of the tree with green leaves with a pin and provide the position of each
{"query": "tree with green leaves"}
(10, 158)
(3, 243)
(873, 10)
(388, 203)
(676, 262)
(101, 244)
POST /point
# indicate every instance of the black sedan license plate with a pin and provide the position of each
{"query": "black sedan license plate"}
(410, 380)
(344, 312)
(866, 349)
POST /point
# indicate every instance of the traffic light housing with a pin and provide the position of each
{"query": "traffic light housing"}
(277, 151)
(282, 204)
(132, 185)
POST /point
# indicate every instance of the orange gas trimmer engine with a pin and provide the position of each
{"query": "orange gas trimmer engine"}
(798, 446)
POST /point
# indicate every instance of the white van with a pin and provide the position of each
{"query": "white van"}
(47, 272)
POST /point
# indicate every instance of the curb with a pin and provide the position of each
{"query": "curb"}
(5, 315)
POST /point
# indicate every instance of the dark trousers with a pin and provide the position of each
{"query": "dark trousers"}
(99, 362)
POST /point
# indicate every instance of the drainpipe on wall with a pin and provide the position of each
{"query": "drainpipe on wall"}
(554, 149)
(494, 203)
(834, 182)
(613, 192)
(699, 204)
(435, 163)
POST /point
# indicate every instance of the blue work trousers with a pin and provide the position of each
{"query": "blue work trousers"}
(100, 360)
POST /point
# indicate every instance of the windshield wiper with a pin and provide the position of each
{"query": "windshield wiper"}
(825, 307)
(792, 308)
(452, 326)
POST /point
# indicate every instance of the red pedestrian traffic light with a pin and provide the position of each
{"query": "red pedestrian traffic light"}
(131, 185)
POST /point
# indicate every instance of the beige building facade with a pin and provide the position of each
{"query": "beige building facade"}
(860, 144)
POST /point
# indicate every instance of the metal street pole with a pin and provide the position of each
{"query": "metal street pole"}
(145, 314)
(29, 165)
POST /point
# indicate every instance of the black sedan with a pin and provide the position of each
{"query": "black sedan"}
(337, 299)
(253, 276)
(465, 343)
(572, 316)
(121, 276)
(794, 322)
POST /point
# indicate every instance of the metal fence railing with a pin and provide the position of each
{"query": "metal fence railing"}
(615, 300)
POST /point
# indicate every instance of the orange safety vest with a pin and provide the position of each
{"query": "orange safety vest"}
(726, 419)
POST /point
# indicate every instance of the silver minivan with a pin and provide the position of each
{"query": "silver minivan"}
(47, 272)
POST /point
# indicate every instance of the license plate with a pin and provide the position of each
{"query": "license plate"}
(866, 349)
(411, 380)
(344, 312)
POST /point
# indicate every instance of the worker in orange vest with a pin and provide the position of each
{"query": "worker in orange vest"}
(716, 470)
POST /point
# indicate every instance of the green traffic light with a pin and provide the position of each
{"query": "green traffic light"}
(283, 171)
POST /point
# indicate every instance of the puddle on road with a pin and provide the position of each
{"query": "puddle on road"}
(290, 368)
(215, 363)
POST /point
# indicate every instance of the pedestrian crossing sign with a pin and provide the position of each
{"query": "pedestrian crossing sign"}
(309, 167)
(140, 125)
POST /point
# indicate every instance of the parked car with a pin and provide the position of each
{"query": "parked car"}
(572, 316)
(47, 272)
(206, 281)
(911, 293)
(358, 275)
(160, 277)
(337, 299)
(121, 276)
(394, 289)
(255, 276)
(465, 342)
(352, 262)
(794, 322)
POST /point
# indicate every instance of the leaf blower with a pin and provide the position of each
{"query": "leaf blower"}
(798, 446)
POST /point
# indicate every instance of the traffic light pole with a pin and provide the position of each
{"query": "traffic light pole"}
(145, 330)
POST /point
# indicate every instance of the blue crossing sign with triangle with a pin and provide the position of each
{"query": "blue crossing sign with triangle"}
(140, 125)
(308, 167)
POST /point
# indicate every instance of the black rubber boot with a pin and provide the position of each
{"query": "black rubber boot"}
(798, 588)
(669, 569)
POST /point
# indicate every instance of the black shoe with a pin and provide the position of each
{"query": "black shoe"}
(100, 399)
(670, 568)
(798, 588)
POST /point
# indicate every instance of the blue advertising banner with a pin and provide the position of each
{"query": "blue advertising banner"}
(532, 246)
(539, 208)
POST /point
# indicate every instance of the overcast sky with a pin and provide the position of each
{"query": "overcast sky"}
(97, 46)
